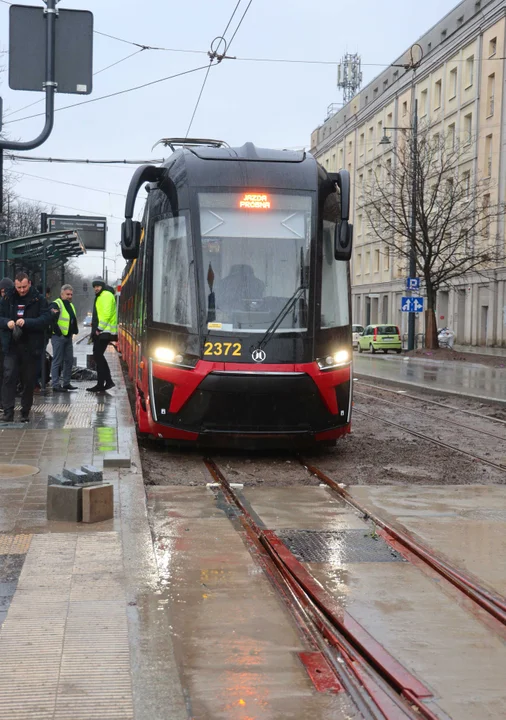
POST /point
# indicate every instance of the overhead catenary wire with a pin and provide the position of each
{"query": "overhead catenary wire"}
(69, 184)
(83, 161)
(114, 94)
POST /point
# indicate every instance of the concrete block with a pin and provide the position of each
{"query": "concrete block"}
(98, 503)
(75, 475)
(58, 480)
(94, 474)
(118, 460)
(65, 503)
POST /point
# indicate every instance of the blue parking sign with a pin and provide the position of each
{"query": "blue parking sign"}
(412, 283)
(412, 304)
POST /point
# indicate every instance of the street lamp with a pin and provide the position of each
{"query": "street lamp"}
(385, 140)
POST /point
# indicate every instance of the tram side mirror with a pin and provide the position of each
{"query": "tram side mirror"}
(343, 241)
(130, 239)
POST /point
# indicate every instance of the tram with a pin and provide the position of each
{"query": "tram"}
(234, 314)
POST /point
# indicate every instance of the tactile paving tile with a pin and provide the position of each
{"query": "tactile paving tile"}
(338, 546)
(15, 544)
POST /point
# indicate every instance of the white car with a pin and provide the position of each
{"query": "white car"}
(356, 330)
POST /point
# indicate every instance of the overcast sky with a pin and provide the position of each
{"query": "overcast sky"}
(271, 104)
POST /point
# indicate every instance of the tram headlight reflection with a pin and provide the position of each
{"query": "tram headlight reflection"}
(341, 357)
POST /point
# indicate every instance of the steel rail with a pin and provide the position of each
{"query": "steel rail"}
(360, 651)
(423, 436)
(434, 402)
(494, 604)
(423, 412)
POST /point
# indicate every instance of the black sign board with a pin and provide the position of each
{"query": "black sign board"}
(73, 50)
(92, 230)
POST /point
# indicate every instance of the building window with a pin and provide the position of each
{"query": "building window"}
(490, 95)
(362, 143)
(466, 182)
(488, 156)
(376, 261)
(385, 84)
(437, 94)
(429, 47)
(460, 21)
(327, 163)
(390, 119)
(435, 141)
(367, 269)
(334, 162)
(477, 6)
(359, 224)
(359, 264)
(486, 211)
(396, 75)
(341, 153)
(386, 259)
(350, 145)
(379, 131)
(389, 167)
(370, 140)
(451, 136)
(375, 92)
(443, 35)
(492, 47)
(453, 84)
(423, 102)
(469, 71)
(468, 128)
(405, 108)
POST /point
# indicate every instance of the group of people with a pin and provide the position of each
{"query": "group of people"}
(26, 320)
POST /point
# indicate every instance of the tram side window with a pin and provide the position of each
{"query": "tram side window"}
(334, 307)
(172, 298)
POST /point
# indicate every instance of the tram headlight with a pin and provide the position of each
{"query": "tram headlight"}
(338, 359)
(163, 354)
(341, 357)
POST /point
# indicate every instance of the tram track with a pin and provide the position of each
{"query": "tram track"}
(428, 438)
(452, 408)
(432, 417)
(378, 684)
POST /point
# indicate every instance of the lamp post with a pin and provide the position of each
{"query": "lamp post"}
(385, 140)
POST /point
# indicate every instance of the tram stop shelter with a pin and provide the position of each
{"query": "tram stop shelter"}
(39, 254)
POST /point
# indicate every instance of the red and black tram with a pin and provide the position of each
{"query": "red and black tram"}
(234, 315)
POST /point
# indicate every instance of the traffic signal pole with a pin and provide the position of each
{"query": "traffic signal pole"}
(412, 250)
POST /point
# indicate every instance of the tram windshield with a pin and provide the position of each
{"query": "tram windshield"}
(256, 254)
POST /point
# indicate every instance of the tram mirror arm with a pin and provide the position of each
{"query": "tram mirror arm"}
(343, 242)
(130, 229)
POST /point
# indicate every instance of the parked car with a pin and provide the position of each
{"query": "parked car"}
(355, 334)
(380, 337)
(87, 320)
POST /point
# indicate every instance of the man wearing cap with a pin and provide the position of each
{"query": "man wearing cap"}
(104, 328)
(5, 284)
(24, 315)
(64, 328)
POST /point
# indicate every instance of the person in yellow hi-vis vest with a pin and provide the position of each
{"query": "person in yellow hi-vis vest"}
(64, 328)
(104, 328)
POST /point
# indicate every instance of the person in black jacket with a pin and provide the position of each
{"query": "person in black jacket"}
(24, 315)
(5, 284)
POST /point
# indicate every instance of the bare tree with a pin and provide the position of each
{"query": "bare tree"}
(456, 224)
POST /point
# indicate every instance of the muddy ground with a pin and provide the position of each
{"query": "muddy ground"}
(373, 454)
(447, 354)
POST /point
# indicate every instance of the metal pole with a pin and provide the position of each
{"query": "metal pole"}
(412, 250)
(43, 357)
(49, 86)
(103, 266)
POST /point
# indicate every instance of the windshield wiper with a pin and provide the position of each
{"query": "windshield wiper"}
(280, 317)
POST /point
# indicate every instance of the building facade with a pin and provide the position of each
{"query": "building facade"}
(459, 87)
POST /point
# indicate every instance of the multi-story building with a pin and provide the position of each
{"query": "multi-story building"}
(459, 88)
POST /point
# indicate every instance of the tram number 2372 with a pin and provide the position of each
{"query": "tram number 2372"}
(219, 349)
